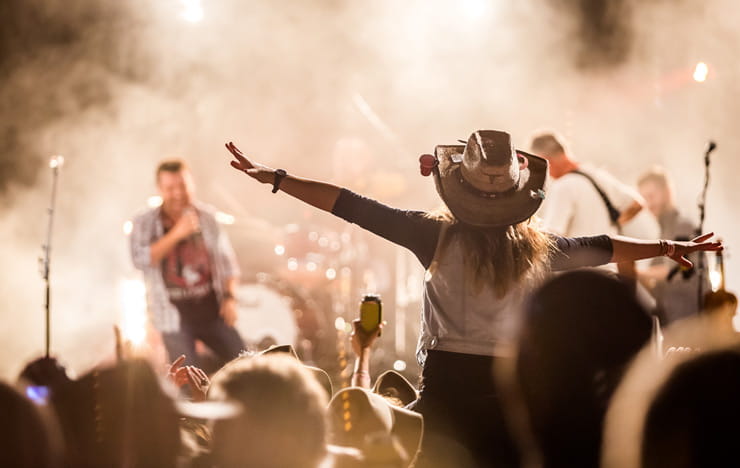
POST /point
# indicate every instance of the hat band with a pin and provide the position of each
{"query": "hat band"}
(482, 193)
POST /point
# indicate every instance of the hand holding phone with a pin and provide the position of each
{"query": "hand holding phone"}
(371, 312)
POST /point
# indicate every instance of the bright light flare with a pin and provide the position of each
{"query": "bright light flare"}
(128, 227)
(292, 264)
(399, 365)
(474, 9)
(56, 161)
(224, 218)
(700, 72)
(132, 301)
(279, 249)
(154, 201)
(339, 323)
(331, 273)
(192, 11)
(715, 279)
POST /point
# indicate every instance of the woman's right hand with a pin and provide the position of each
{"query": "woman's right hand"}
(257, 171)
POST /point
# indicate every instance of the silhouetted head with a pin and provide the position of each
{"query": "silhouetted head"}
(580, 329)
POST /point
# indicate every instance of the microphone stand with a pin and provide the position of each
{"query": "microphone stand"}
(55, 164)
(700, 264)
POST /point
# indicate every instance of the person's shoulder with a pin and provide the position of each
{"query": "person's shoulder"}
(144, 214)
(569, 182)
(600, 174)
(205, 209)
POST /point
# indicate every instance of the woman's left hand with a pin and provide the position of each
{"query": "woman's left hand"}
(257, 171)
(698, 244)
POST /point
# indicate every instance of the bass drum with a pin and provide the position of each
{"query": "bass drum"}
(262, 312)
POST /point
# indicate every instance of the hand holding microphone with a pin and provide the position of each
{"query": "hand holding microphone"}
(187, 225)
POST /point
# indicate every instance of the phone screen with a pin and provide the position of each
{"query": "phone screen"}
(38, 394)
(370, 313)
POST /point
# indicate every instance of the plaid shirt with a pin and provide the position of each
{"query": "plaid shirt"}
(147, 228)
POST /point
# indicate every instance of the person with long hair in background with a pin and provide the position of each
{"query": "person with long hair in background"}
(483, 255)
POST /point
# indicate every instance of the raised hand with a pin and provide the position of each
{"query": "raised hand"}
(680, 250)
(257, 171)
(195, 377)
(362, 339)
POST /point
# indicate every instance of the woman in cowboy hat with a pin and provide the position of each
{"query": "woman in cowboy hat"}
(482, 257)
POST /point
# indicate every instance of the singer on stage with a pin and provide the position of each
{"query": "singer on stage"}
(189, 268)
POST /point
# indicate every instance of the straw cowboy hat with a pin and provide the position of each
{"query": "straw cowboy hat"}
(486, 182)
(358, 416)
(392, 384)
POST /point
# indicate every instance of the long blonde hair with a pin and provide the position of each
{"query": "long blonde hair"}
(500, 256)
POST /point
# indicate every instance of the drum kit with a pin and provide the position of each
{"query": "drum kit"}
(295, 280)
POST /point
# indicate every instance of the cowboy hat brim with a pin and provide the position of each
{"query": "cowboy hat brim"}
(392, 383)
(476, 208)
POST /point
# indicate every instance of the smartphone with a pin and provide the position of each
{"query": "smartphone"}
(38, 394)
(371, 312)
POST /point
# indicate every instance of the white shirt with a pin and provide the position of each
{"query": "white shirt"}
(573, 207)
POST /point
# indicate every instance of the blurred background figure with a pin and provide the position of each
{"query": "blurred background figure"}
(676, 290)
(657, 190)
(584, 200)
(189, 267)
(576, 203)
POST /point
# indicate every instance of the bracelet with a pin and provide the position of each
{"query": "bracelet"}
(667, 248)
(278, 175)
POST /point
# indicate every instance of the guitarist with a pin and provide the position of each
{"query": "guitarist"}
(584, 200)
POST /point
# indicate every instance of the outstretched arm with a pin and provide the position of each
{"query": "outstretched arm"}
(319, 194)
(626, 249)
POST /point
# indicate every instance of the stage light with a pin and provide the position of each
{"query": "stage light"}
(56, 161)
(700, 72)
(292, 264)
(279, 249)
(473, 9)
(128, 226)
(715, 279)
(192, 11)
(154, 201)
(331, 273)
(132, 300)
(311, 266)
(399, 365)
(224, 218)
(339, 323)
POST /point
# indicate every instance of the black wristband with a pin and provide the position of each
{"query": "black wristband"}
(279, 176)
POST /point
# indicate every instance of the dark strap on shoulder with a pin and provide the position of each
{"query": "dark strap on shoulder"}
(613, 212)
